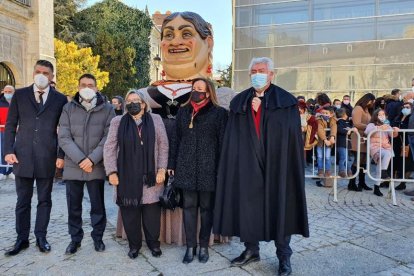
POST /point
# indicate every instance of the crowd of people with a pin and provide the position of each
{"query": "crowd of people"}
(333, 126)
(229, 165)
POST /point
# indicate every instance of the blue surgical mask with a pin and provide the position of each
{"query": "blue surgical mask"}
(325, 118)
(406, 111)
(8, 96)
(259, 80)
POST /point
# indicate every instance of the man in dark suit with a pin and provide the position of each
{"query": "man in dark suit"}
(30, 144)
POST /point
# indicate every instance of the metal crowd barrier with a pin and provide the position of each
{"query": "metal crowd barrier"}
(392, 179)
(334, 176)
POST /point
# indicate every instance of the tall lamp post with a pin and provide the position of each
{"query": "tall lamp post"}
(157, 62)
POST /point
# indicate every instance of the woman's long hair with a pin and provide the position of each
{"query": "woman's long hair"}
(364, 101)
(374, 118)
(209, 89)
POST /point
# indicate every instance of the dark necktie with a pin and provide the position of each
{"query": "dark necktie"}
(41, 98)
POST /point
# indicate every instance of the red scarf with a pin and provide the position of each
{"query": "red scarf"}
(197, 107)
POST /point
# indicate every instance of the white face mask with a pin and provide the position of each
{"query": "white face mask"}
(338, 106)
(87, 93)
(346, 102)
(41, 81)
(382, 118)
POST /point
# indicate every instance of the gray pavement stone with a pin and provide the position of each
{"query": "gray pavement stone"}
(360, 235)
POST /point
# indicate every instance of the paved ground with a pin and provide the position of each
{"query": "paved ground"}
(360, 235)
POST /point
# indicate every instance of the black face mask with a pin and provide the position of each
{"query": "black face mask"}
(133, 108)
(198, 96)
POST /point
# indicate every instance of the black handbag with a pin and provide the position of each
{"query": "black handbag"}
(170, 198)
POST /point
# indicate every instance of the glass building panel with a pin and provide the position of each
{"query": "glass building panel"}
(396, 27)
(297, 56)
(242, 59)
(244, 16)
(241, 80)
(279, 35)
(342, 54)
(395, 51)
(394, 75)
(243, 37)
(292, 79)
(387, 7)
(337, 9)
(280, 13)
(343, 30)
(256, 2)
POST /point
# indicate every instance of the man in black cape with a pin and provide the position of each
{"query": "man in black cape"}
(260, 194)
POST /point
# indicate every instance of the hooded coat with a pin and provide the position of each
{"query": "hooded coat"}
(260, 194)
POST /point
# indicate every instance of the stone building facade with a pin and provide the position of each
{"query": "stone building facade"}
(26, 35)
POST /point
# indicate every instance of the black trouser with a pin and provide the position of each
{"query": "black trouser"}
(151, 220)
(193, 199)
(24, 190)
(74, 197)
(283, 250)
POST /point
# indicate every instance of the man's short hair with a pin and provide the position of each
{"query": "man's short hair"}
(340, 112)
(45, 63)
(266, 60)
(87, 76)
(395, 91)
(9, 86)
(346, 96)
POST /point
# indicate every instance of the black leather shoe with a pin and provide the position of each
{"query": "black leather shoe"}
(284, 268)
(99, 246)
(156, 252)
(401, 186)
(203, 255)
(43, 245)
(246, 257)
(72, 248)
(133, 253)
(189, 255)
(18, 246)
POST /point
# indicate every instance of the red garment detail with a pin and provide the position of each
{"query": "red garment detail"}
(256, 119)
(3, 117)
(197, 107)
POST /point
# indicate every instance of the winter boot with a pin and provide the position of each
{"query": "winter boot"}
(361, 181)
(377, 191)
(352, 182)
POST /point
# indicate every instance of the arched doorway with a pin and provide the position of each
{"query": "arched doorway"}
(6, 76)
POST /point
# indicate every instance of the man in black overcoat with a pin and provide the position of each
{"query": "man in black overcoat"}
(260, 194)
(30, 144)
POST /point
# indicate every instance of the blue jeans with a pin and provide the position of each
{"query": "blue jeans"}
(320, 154)
(343, 155)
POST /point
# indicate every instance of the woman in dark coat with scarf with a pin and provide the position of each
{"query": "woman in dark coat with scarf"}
(401, 121)
(195, 151)
(135, 157)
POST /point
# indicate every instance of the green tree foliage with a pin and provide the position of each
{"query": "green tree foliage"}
(65, 11)
(120, 35)
(226, 75)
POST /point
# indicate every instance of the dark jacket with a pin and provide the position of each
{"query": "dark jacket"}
(260, 194)
(195, 152)
(82, 134)
(342, 127)
(35, 143)
(392, 107)
(348, 109)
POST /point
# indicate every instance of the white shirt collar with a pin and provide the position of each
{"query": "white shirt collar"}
(46, 90)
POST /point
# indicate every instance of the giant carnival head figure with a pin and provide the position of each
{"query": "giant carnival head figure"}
(187, 46)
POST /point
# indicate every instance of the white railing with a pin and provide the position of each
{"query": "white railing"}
(392, 179)
(334, 176)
